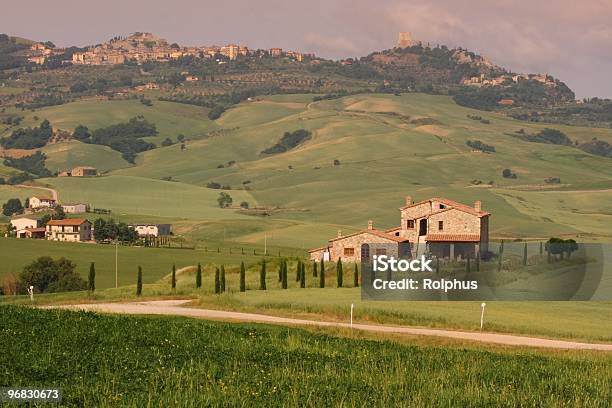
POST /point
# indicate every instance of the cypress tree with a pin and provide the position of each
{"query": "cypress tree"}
(541, 248)
(356, 276)
(322, 274)
(501, 256)
(525, 255)
(284, 277)
(314, 269)
(242, 277)
(478, 262)
(303, 275)
(139, 282)
(91, 283)
(217, 281)
(298, 271)
(199, 276)
(173, 276)
(280, 269)
(339, 273)
(262, 276)
(222, 278)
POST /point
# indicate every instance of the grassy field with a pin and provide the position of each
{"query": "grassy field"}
(181, 362)
(67, 155)
(170, 118)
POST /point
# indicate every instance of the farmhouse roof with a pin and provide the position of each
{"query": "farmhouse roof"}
(373, 232)
(68, 222)
(451, 203)
(44, 198)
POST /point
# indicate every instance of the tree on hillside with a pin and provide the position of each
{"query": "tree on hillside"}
(280, 269)
(173, 276)
(339, 273)
(91, 281)
(199, 276)
(284, 277)
(139, 282)
(262, 276)
(48, 275)
(298, 271)
(314, 269)
(356, 277)
(12, 207)
(81, 133)
(224, 200)
(242, 277)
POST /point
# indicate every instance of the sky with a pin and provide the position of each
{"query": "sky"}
(569, 39)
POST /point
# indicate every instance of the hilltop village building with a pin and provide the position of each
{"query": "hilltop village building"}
(39, 202)
(141, 47)
(439, 226)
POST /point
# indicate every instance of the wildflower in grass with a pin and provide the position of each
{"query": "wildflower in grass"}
(199, 276)
(242, 277)
(91, 282)
(356, 277)
(262, 275)
(139, 282)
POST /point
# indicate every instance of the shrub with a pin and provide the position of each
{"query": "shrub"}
(479, 145)
(289, 141)
(224, 200)
(49, 275)
(244, 205)
(507, 173)
(12, 206)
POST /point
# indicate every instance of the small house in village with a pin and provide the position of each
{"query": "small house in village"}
(39, 202)
(442, 227)
(152, 230)
(69, 229)
(26, 227)
(81, 171)
(75, 208)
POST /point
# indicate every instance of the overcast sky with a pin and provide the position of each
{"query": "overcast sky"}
(569, 39)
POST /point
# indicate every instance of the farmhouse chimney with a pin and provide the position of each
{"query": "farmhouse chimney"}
(370, 225)
(408, 200)
(339, 233)
(478, 205)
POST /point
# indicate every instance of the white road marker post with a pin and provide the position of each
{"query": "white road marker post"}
(352, 306)
(482, 308)
(31, 293)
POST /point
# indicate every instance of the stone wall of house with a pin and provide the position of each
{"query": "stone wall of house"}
(454, 222)
(355, 242)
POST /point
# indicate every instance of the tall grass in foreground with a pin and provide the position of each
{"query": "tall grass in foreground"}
(103, 360)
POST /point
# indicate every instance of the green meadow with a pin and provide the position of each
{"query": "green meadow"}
(185, 362)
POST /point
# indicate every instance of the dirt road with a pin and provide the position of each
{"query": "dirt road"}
(175, 308)
(50, 190)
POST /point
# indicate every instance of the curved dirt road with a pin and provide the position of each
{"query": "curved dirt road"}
(52, 191)
(174, 307)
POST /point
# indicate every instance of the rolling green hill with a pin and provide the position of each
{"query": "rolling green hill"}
(387, 147)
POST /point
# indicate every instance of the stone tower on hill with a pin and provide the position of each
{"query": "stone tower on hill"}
(405, 40)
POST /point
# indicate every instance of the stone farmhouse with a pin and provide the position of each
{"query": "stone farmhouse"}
(38, 202)
(69, 229)
(439, 226)
(26, 227)
(152, 230)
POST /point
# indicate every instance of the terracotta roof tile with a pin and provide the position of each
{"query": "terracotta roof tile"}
(68, 221)
(451, 203)
(373, 232)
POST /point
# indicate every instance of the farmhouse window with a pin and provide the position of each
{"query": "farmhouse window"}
(410, 224)
(440, 225)
(381, 251)
(349, 251)
(442, 206)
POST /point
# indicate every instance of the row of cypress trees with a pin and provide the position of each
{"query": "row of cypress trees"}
(220, 282)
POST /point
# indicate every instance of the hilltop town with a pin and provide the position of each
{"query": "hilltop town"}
(140, 47)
